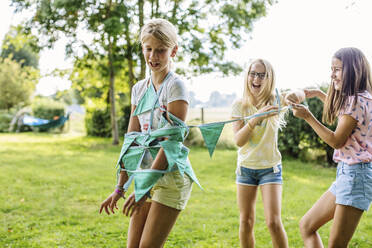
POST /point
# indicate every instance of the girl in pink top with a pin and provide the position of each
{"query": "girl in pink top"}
(349, 101)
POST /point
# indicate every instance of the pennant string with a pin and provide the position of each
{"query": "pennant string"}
(136, 144)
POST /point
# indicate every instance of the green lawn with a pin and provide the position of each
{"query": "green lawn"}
(52, 186)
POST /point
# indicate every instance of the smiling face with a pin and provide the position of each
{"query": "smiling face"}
(256, 78)
(157, 54)
(336, 75)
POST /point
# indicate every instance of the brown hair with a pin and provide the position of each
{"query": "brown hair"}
(356, 78)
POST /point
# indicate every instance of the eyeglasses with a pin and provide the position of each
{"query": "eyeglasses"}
(254, 74)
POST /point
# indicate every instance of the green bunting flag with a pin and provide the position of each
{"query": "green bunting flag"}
(147, 102)
(211, 133)
(143, 182)
(132, 158)
(171, 150)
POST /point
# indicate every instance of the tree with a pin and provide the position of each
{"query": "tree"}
(21, 47)
(16, 84)
(207, 28)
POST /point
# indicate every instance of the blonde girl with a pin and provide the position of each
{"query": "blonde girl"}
(259, 160)
(349, 102)
(152, 220)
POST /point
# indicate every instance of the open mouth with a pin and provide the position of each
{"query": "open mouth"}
(256, 86)
(154, 64)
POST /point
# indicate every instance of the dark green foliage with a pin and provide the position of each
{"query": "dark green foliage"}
(5, 119)
(97, 122)
(46, 108)
(124, 120)
(21, 46)
(298, 137)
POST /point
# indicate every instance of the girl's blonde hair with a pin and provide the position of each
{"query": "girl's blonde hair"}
(162, 30)
(266, 95)
(356, 78)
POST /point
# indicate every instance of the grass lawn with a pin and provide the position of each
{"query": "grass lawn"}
(52, 186)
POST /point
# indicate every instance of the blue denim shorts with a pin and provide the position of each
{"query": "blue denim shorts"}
(256, 177)
(353, 185)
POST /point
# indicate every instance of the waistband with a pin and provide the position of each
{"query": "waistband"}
(361, 165)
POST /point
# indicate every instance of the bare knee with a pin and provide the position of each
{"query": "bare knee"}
(306, 227)
(246, 224)
(274, 224)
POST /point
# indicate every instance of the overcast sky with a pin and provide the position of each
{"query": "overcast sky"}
(298, 37)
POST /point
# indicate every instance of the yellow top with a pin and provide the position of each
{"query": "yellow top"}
(261, 151)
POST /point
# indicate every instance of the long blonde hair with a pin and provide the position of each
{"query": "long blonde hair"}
(356, 78)
(266, 95)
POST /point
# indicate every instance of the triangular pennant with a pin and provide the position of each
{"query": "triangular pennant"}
(128, 140)
(189, 171)
(143, 182)
(133, 158)
(172, 150)
(147, 101)
(182, 161)
(154, 151)
(141, 139)
(211, 133)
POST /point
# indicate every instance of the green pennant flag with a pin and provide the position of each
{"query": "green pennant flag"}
(172, 150)
(182, 161)
(133, 158)
(143, 182)
(128, 140)
(154, 151)
(189, 171)
(141, 139)
(147, 101)
(211, 133)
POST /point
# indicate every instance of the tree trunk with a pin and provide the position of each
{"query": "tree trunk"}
(114, 124)
(174, 12)
(140, 21)
(129, 51)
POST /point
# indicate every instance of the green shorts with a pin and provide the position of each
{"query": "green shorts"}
(172, 190)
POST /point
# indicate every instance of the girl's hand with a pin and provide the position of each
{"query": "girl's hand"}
(295, 97)
(110, 202)
(266, 109)
(301, 111)
(131, 206)
(310, 93)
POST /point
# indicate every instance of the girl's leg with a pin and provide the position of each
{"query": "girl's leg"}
(246, 202)
(319, 214)
(159, 223)
(136, 225)
(272, 201)
(345, 221)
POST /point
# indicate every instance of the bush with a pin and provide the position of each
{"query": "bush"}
(123, 121)
(298, 138)
(46, 108)
(5, 119)
(97, 122)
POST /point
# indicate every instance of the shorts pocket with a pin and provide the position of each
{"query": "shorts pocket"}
(352, 184)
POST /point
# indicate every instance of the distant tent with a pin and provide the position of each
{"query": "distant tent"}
(44, 124)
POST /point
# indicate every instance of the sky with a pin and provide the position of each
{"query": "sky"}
(298, 37)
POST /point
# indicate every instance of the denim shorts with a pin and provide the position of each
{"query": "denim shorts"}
(256, 177)
(353, 185)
